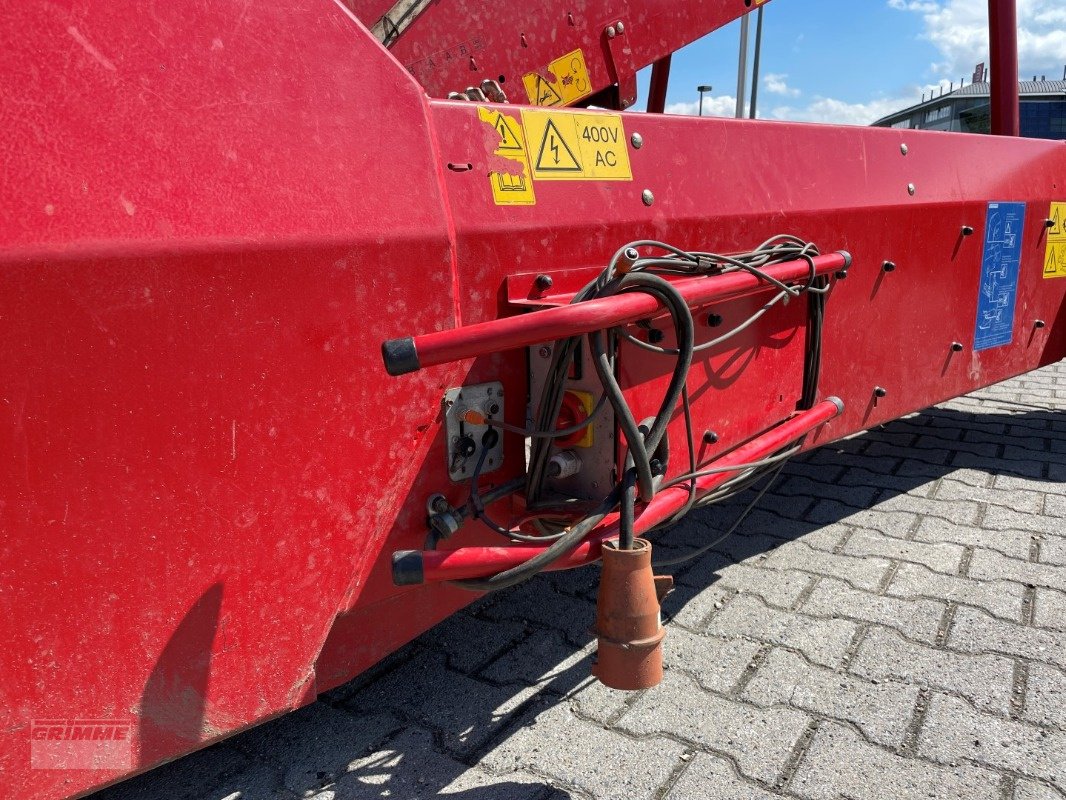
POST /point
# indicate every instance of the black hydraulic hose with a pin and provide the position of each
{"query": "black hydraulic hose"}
(526, 570)
(639, 445)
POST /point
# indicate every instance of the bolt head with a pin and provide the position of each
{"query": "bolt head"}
(647, 197)
(637, 141)
(543, 282)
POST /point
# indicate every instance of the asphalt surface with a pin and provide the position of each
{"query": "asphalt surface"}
(891, 623)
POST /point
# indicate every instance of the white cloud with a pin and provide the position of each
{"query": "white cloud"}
(839, 112)
(820, 109)
(959, 31)
(713, 106)
(776, 83)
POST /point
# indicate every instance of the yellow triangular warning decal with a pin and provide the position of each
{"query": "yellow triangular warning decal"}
(1051, 266)
(555, 154)
(1056, 229)
(546, 94)
(508, 135)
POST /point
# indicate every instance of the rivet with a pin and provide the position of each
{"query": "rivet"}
(618, 26)
(710, 437)
(543, 282)
(967, 230)
(911, 189)
(647, 197)
(956, 347)
(544, 352)
(611, 32)
(880, 391)
(903, 149)
(1039, 323)
(714, 320)
(637, 141)
(1049, 223)
(889, 266)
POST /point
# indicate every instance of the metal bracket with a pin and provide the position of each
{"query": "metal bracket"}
(620, 61)
(465, 409)
(597, 472)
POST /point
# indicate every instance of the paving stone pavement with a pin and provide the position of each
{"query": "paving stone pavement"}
(891, 623)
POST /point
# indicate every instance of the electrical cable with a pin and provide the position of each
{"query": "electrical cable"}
(558, 433)
(645, 450)
(699, 551)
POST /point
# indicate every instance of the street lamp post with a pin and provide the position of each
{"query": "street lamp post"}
(701, 89)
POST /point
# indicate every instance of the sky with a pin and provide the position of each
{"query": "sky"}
(854, 61)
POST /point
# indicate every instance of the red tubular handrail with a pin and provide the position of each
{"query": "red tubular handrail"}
(428, 566)
(413, 353)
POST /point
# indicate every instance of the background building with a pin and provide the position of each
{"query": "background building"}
(966, 109)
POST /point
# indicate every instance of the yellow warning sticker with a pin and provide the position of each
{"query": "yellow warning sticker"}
(510, 187)
(565, 80)
(564, 146)
(1055, 255)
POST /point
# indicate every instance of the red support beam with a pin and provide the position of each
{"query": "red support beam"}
(660, 78)
(1003, 43)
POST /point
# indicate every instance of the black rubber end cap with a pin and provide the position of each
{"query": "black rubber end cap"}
(407, 568)
(847, 258)
(400, 356)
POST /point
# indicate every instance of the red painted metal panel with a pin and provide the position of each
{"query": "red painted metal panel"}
(216, 214)
(198, 208)
(450, 46)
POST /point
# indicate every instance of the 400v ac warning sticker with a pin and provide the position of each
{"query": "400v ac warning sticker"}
(554, 146)
(564, 146)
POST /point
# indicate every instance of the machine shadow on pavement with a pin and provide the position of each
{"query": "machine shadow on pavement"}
(461, 711)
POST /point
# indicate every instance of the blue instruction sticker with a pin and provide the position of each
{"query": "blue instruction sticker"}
(999, 275)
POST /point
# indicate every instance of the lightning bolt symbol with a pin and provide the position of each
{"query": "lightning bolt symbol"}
(555, 150)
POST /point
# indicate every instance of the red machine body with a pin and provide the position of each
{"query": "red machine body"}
(215, 214)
